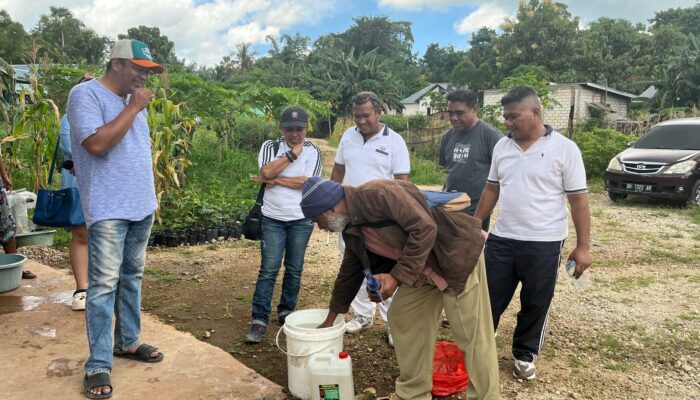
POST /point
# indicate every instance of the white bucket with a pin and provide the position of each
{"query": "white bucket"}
(303, 340)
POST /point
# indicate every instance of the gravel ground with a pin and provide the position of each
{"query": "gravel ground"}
(633, 334)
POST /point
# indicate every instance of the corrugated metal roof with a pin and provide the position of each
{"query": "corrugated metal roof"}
(419, 94)
(649, 93)
(587, 84)
(609, 90)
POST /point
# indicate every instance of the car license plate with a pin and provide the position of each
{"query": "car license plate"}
(638, 187)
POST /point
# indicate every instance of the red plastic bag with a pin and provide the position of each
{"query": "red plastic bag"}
(449, 370)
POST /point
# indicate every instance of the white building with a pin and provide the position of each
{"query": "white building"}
(419, 102)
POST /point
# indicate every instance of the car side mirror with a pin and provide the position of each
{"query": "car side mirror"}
(630, 144)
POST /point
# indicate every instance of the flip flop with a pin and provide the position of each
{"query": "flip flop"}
(97, 380)
(142, 353)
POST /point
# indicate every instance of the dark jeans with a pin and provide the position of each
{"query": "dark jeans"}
(535, 265)
(280, 238)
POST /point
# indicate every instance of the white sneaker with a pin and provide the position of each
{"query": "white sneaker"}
(358, 323)
(524, 370)
(78, 300)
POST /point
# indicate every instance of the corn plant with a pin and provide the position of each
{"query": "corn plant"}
(171, 140)
(39, 121)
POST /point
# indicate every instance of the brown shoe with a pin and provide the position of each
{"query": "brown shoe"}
(28, 275)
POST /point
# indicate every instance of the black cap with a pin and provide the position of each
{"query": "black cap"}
(294, 117)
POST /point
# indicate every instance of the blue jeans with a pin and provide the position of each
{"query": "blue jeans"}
(288, 238)
(117, 255)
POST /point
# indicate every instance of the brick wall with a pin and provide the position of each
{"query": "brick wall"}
(558, 114)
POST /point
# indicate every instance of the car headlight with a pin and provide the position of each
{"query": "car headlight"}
(681, 167)
(614, 164)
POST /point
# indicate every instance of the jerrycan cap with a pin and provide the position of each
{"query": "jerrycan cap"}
(343, 355)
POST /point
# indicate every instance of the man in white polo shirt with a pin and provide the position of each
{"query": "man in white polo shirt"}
(370, 150)
(534, 170)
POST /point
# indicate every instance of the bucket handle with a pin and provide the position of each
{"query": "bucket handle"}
(277, 342)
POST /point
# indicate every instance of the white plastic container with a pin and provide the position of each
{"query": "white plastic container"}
(303, 341)
(330, 376)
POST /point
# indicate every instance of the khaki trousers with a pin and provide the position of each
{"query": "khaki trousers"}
(414, 318)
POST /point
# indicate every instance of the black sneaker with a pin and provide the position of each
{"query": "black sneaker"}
(256, 333)
(282, 317)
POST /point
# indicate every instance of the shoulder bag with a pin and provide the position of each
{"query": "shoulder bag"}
(252, 227)
(58, 208)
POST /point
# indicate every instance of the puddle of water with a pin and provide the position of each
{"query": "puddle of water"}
(13, 304)
(61, 297)
(43, 331)
(60, 368)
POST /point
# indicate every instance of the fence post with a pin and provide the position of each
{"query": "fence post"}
(408, 133)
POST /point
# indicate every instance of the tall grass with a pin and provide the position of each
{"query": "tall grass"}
(425, 172)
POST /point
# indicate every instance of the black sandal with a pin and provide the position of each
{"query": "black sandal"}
(97, 380)
(142, 353)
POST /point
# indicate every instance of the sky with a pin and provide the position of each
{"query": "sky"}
(204, 31)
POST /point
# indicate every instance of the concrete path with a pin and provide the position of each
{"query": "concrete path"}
(43, 347)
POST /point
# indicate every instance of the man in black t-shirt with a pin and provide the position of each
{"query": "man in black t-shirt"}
(465, 150)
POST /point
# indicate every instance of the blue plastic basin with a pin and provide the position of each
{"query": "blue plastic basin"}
(11, 266)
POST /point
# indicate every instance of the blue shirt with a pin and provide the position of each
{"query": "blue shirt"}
(119, 183)
(67, 179)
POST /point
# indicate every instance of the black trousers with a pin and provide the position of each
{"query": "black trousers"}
(535, 265)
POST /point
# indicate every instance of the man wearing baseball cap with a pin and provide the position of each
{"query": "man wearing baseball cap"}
(285, 164)
(111, 147)
(434, 258)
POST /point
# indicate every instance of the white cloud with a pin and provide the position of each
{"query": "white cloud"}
(249, 33)
(202, 33)
(633, 10)
(490, 15)
(416, 5)
(293, 12)
(590, 10)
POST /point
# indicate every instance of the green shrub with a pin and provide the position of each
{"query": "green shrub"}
(598, 147)
(493, 114)
(418, 122)
(395, 122)
(595, 121)
(425, 172)
(250, 132)
(399, 122)
(217, 186)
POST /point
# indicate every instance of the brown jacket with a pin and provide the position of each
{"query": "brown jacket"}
(452, 250)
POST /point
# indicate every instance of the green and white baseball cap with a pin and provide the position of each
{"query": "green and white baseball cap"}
(137, 52)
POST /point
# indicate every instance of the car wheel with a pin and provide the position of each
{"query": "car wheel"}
(694, 199)
(617, 196)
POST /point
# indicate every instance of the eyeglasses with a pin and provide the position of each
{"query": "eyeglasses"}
(458, 113)
(293, 129)
(139, 69)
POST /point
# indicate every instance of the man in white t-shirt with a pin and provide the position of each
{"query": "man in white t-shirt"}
(534, 171)
(285, 230)
(370, 150)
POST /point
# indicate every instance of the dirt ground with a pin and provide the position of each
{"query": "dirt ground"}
(633, 334)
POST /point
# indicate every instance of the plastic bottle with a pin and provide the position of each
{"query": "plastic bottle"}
(330, 376)
(374, 285)
(582, 282)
